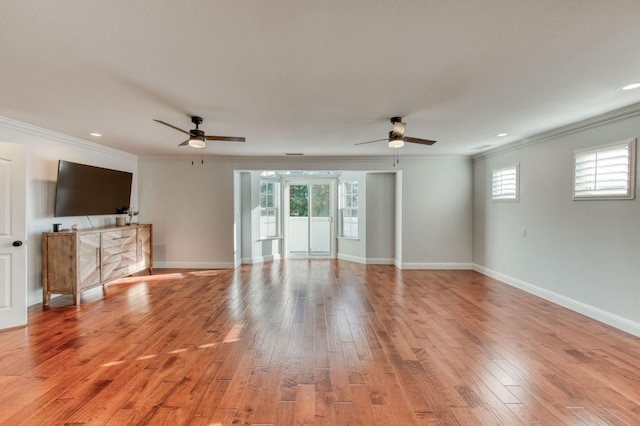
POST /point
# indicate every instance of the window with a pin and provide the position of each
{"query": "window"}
(269, 211)
(349, 209)
(505, 184)
(604, 172)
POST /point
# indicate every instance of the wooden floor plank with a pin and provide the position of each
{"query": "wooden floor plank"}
(315, 342)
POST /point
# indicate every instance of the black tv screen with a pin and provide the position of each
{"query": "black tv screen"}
(83, 190)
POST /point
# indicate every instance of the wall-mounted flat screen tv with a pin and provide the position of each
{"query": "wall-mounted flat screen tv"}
(83, 190)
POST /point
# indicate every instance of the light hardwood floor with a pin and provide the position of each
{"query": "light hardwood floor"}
(315, 342)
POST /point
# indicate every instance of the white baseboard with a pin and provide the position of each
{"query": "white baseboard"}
(592, 312)
(367, 260)
(399, 265)
(350, 258)
(260, 259)
(380, 261)
(436, 266)
(194, 265)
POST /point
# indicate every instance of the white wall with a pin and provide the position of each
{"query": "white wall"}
(43, 150)
(246, 214)
(581, 254)
(435, 212)
(191, 206)
(380, 226)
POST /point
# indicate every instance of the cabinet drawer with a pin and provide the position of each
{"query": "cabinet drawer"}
(128, 248)
(120, 257)
(118, 238)
(117, 270)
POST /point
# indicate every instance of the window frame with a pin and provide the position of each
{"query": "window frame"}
(631, 172)
(343, 206)
(502, 199)
(275, 208)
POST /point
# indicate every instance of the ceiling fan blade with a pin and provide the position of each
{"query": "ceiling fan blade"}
(379, 140)
(185, 143)
(172, 126)
(226, 138)
(417, 140)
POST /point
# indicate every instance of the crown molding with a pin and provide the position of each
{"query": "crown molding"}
(301, 160)
(22, 127)
(610, 117)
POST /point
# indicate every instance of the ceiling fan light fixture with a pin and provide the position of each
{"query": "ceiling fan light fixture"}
(196, 142)
(395, 142)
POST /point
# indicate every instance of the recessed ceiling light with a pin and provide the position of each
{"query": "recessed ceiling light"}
(501, 135)
(97, 135)
(631, 86)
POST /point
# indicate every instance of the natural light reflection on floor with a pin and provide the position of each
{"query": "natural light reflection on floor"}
(207, 273)
(143, 357)
(234, 334)
(137, 297)
(112, 363)
(175, 351)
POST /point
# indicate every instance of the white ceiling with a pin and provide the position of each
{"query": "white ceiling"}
(314, 77)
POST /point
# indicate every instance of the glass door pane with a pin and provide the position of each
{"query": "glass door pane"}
(298, 220)
(320, 220)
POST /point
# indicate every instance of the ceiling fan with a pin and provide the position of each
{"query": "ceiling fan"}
(197, 137)
(397, 138)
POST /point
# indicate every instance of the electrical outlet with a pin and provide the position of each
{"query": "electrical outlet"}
(523, 233)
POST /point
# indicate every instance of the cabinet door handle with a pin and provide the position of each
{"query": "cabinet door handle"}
(97, 257)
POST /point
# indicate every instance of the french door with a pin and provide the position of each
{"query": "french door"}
(309, 211)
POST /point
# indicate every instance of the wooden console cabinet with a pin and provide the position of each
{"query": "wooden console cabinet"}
(79, 260)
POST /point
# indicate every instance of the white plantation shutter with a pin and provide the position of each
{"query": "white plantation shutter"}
(604, 172)
(504, 184)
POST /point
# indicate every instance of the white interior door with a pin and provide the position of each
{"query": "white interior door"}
(13, 231)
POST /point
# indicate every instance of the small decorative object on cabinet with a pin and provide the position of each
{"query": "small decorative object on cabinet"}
(76, 261)
(131, 212)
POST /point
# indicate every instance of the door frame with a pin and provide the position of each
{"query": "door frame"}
(286, 183)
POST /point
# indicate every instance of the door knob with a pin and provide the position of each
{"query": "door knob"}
(17, 243)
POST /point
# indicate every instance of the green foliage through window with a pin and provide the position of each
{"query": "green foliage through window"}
(299, 200)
